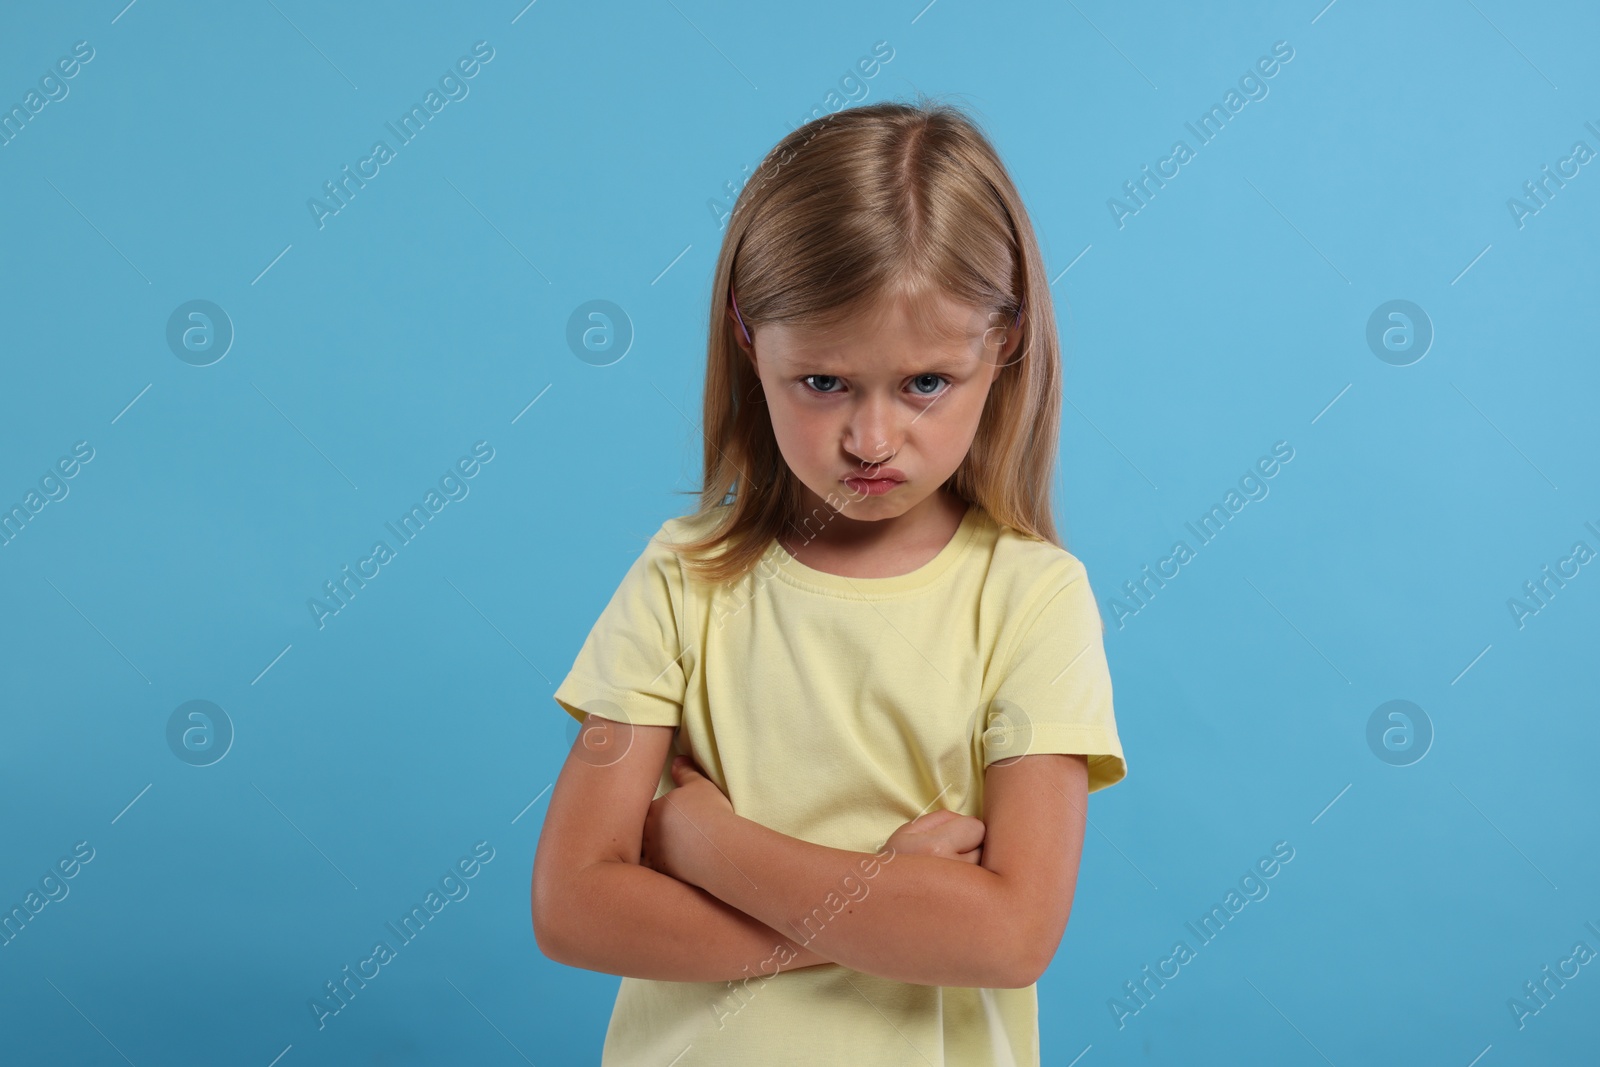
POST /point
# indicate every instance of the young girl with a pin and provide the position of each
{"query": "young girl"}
(828, 798)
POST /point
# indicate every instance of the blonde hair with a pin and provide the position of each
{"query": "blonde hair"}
(845, 210)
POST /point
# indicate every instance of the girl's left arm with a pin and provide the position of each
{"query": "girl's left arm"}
(915, 918)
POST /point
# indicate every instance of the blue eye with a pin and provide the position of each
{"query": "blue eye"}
(821, 378)
(935, 379)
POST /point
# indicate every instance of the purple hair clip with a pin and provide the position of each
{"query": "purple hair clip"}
(740, 317)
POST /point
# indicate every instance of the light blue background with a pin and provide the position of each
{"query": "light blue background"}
(1228, 314)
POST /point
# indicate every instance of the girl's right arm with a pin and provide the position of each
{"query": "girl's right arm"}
(595, 907)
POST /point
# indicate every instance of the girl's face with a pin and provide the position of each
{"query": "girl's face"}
(888, 395)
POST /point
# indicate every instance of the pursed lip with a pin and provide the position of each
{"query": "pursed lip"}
(882, 474)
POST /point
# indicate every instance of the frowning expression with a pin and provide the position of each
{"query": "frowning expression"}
(895, 394)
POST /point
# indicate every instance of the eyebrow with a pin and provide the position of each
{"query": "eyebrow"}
(943, 361)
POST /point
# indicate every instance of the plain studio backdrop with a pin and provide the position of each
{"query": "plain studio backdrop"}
(230, 370)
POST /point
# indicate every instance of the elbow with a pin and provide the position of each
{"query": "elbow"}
(546, 928)
(1027, 968)
(1031, 952)
(1021, 971)
(563, 907)
(551, 930)
(1007, 963)
(546, 937)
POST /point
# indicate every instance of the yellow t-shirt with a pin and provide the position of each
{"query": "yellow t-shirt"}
(835, 709)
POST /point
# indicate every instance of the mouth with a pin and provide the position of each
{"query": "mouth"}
(875, 486)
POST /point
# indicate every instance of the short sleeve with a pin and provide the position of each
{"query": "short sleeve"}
(632, 660)
(1055, 692)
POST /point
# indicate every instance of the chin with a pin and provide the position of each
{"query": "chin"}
(894, 503)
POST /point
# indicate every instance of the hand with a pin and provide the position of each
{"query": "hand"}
(677, 824)
(940, 833)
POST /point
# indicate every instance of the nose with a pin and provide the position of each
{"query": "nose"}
(872, 436)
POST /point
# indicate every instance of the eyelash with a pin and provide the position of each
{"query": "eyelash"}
(926, 396)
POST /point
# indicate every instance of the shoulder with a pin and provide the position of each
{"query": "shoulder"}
(654, 566)
(1030, 571)
(684, 529)
(1035, 589)
(662, 553)
(690, 527)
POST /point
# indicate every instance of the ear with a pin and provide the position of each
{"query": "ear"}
(744, 347)
(1003, 337)
(738, 336)
(1010, 346)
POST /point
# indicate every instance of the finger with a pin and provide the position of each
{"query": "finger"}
(963, 834)
(967, 829)
(931, 821)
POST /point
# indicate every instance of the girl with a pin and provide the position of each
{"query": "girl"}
(828, 798)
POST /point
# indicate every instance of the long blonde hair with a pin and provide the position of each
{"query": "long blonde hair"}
(846, 209)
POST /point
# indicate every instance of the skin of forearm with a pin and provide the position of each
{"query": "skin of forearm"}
(624, 919)
(917, 918)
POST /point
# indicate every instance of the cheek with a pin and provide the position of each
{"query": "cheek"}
(783, 416)
(960, 415)
(796, 428)
(955, 427)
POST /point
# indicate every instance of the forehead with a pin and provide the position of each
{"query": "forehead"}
(894, 334)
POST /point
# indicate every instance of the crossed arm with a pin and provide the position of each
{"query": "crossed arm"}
(725, 897)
